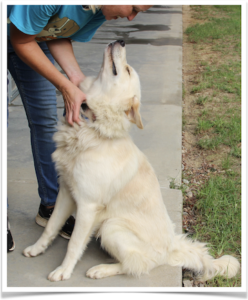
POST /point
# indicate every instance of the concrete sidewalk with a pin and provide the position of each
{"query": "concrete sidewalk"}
(154, 48)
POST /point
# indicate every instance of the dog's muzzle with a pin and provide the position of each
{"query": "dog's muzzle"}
(122, 43)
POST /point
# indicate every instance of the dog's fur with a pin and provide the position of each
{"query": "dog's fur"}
(113, 188)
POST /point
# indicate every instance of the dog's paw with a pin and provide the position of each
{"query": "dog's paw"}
(32, 251)
(59, 274)
(95, 273)
(103, 270)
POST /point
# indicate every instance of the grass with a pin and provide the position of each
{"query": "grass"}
(201, 100)
(225, 130)
(219, 222)
(225, 78)
(217, 94)
(228, 25)
(220, 204)
(221, 78)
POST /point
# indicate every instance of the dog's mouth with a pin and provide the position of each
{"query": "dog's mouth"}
(112, 59)
(84, 107)
(114, 68)
(122, 44)
(87, 112)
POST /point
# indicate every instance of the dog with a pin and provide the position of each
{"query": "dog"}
(113, 188)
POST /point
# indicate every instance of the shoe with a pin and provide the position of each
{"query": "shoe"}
(10, 241)
(44, 215)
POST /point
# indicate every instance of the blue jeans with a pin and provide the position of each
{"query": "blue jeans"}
(40, 103)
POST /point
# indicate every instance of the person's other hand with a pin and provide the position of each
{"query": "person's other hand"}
(73, 98)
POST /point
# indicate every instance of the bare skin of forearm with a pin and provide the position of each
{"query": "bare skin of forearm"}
(35, 58)
(28, 50)
(61, 49)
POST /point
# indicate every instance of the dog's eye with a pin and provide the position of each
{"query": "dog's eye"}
(128, 70)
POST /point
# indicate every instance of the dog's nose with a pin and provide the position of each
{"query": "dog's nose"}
(121, 42)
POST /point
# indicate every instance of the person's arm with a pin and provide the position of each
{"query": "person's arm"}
(28, 50)
(62, 51)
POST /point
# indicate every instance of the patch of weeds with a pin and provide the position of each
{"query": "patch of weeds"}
(233, 9)
(226, 99)
(225, 78)
(183, 122)
(201, 100)
(236, 152)
(173, 184)
(205, 112)
(207, 143)
(203, 125)
(216, 28)
(224, 282)
(222, 130)
(183, 95)
(203, 15)
(219, 221)
(226, 163)
(229, 130)
(204, 63)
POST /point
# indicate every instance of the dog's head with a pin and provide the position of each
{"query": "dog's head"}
(113, 98)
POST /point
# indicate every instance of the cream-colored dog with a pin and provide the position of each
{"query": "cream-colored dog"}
(113, 188)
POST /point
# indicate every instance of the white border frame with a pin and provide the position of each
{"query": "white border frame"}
(190, 291)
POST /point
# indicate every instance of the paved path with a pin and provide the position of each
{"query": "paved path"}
(154, 49)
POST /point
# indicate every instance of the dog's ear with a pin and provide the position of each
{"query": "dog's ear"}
(133, 113)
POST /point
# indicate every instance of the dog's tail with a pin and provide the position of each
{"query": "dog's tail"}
(194, 255)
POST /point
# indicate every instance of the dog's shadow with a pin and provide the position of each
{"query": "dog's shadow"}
(95, 252)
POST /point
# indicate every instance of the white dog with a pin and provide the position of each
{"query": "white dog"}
(113, 188)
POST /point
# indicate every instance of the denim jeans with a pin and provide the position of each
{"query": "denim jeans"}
(39, 100)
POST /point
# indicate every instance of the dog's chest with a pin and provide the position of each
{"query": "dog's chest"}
(98, 172)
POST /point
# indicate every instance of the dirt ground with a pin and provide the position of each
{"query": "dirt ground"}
(194, 161)
(196, 168)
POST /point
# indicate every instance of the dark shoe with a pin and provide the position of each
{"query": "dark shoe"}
(44, 215)
(67, 229)
(10, 241)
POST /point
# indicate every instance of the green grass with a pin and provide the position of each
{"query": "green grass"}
(216, 28)
(201, 100)
(219, 204)
(226, 163)
(224, 129)
(224, 78)
(218, 98)
(219, 220)
(219, 77)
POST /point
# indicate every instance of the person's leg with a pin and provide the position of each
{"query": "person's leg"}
(39, 99)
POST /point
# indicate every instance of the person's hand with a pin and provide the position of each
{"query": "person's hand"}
(77, 78)
(28, 50)
(73, 98)
(62, 51)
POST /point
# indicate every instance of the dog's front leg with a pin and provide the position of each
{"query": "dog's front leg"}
(83, 229)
